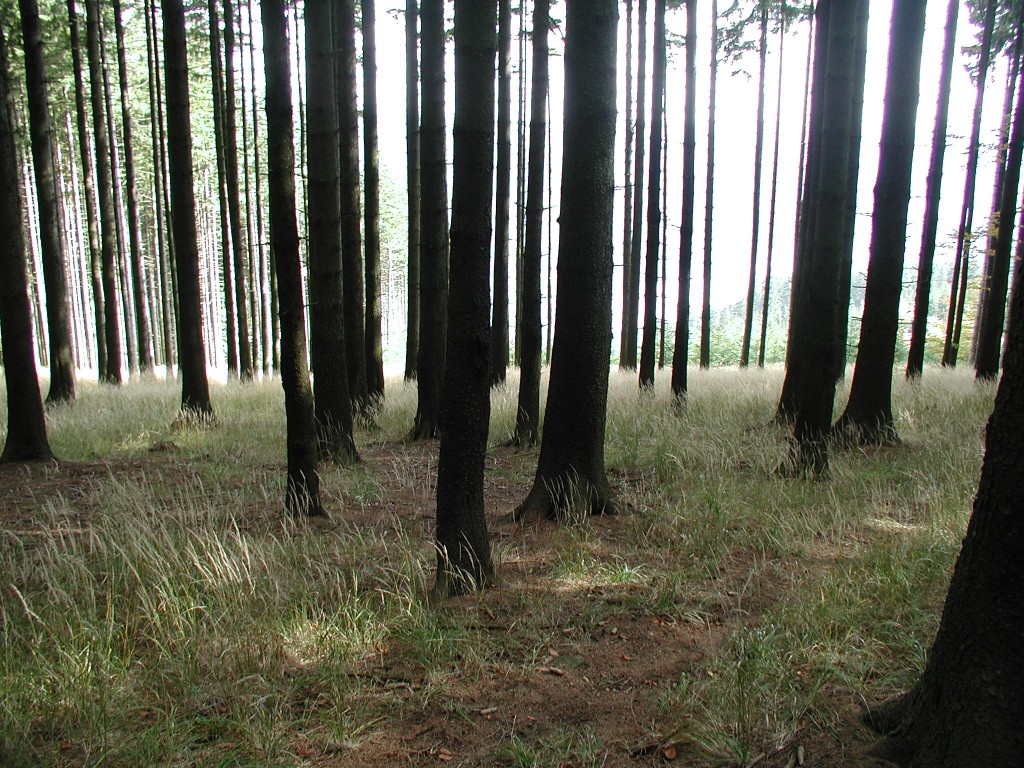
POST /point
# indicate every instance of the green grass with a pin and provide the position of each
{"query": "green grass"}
(168, 613)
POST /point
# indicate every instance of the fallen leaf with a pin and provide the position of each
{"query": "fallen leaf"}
(551, 671)
(627, 658)
(444, 754)
(669, 753)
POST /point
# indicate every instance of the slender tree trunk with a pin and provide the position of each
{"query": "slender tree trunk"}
(919, 329)
(142, 319)
(195, 389)
(748, 318)
(662, 322)
(111, 373)
(627, 191)
(520, 181)
(51, 213)
(412, 169)
(680, 354)
(463, 544)
(499, 315)
(26, 424)
(530, 340)
(570, 471)
(649, 339)
(868, 416)
(434, 226)
(709, 199)
(631, 309)
(371, 209)
(303, 492)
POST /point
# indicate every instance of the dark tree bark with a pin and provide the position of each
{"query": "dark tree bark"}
(919, 328)
(654, 213)
(333, 406)
(530, 340)
(51, 213)
(463, 545)
(963, 238)
(680, 354)
(520, 178)
(351, 216)
(239, 247)
(627, 187)
(143, 327)
(412, 169)
(815, 393)
(195, 389)
(965, 709)
(26, 424)
(748, 318)
(91, 213)
(993, 314)
(502, 220)
(371, 209)
(709, 200)
(434, 226)
(303, 491)
(868, 418)
(111, 374)
(571, 468)
(631, 308)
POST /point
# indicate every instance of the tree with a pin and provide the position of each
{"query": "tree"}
(571, 469)
(965, 709)
(302, 496)
(627, 188)
(195, 389)
(528, 410)
(502, 220)
(868, 416)
(433, 226)
(51, 214)
(463, 545)
(680, 354)
(332, 402)
(631, 308)
(709, 199)
(26, 424)
(371, 208)
(919, 328)
(654, 213)
(412, 168)
(111, 374)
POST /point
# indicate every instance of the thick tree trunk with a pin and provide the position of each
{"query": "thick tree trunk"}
(195, 389)
(412, 170)
(680, 355)
(51, 214)
(434, 226)
(571, 471)
(463, 545)
(303, 492)
(499, 312)
(654, 212)
(868, 418)
(709, 200)
(631, 308)
(530, 340)
(371, 209)
(26, 425)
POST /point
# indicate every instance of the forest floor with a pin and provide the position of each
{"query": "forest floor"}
(605, 643)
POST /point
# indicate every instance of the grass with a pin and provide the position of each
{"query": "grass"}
(161, 610)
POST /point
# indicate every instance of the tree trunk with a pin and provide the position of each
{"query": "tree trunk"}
(142, 319)
(303, 492)
(965, 709)
(520, 180)
(333, 405)
(499, 316)
(412, 169)
(530, 340)
(195, 389)
(571, 469)
(680, 355)
(868, 418)
(111, 374)
(371, 209)
(748, 318)
(51, 213)
(919, 328)
(26, 425)
(463, 545)
(709, 202)
(631, 308)
(627, 189)
(434, 226)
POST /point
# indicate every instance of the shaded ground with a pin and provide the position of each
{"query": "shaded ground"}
(584, 680)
